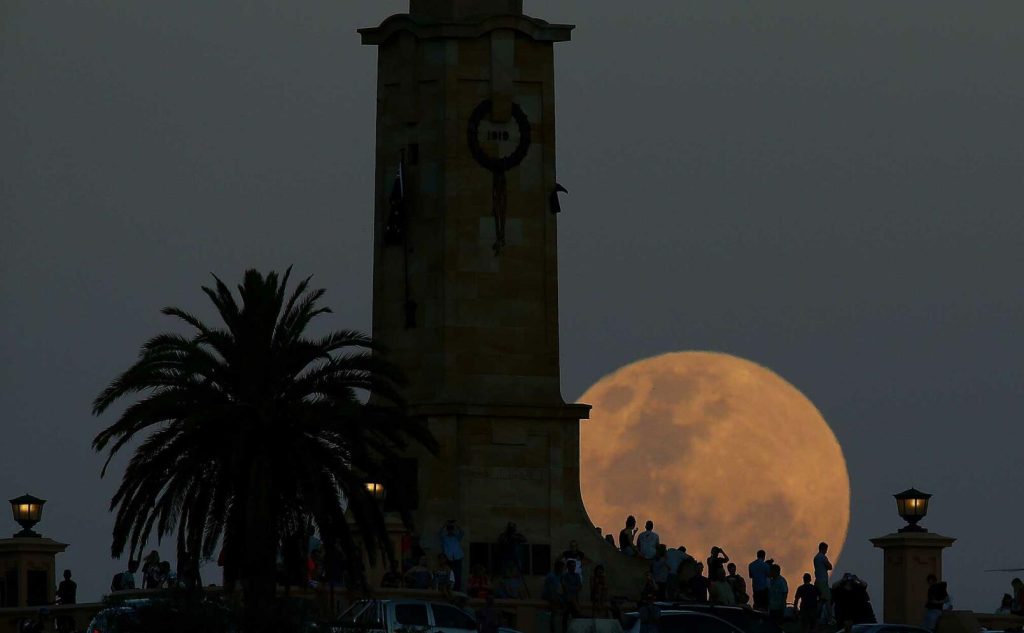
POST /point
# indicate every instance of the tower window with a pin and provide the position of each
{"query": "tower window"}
(533, 558)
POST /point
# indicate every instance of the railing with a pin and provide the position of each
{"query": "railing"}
(72, 617)
(971, 622)
(528, 616)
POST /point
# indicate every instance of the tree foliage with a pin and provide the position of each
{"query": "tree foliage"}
(251, 429)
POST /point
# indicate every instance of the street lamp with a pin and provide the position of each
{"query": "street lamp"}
(912, 505)
(27, 511)
(376, 490)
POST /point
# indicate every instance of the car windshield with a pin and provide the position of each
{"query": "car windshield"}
(349, 615)
(116, 620)
(692, 623)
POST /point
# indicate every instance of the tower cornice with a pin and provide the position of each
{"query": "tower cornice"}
(534, 28)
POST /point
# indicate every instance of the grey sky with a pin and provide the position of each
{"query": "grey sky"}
(831, 190)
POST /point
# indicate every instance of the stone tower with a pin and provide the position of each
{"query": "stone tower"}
(466, 274)
(465, 277)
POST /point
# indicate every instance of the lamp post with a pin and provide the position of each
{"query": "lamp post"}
(912, 505)
(27, 510)
(28, 559)
(910, 555)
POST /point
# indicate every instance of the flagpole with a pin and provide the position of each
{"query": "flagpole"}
(409, 308)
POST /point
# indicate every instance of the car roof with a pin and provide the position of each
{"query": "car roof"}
(705, 606)
(879, 626)
(679, 611)
(700, 614)
(404, 601)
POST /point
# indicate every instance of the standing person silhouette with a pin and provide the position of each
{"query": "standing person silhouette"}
(626, 535)
(599, 592)
(806, 605)
(717, 561)
(938, 597)
(1017, 602)
(648, 541)
(451, 546)
(67, 591)
(739, 586)
(758, 571)
(778, 592)
(698, 585)
(572, 584)
(554, 595)
(822, 567)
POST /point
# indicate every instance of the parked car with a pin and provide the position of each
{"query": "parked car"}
(145, 615)
(592, 625)
(746, 619)
(888, 628)
(677, 621)
(404, 616)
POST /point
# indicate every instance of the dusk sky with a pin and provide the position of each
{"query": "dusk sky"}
(830, 190)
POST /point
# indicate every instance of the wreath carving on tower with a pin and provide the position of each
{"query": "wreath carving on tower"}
(498, 165)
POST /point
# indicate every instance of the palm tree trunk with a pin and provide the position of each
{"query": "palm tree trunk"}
(259, 562)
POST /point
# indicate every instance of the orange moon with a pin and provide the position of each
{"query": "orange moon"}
(716, 450)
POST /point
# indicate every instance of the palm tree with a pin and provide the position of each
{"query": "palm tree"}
(253, 429)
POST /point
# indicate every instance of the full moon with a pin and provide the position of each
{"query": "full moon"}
(716, 450)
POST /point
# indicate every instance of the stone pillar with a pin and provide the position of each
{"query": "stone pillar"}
(908, 559)
(28, 571)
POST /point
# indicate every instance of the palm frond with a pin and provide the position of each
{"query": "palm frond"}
(254, 395)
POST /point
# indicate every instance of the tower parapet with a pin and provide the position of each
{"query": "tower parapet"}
(459, 9)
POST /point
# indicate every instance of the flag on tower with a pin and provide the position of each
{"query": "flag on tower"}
(394, 228)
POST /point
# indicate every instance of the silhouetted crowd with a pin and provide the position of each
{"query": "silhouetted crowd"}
(676, 576)
(157, 574)
(673, 576)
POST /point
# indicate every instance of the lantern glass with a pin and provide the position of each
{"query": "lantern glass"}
(27, 511)
(912, 506)
(376, 490)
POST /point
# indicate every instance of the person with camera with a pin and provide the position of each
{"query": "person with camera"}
(451, 547)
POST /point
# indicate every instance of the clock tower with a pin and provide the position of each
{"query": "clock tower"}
(465, 289)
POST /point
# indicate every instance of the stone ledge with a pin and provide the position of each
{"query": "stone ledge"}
(559, 412)
(31, 545)
(913, 539)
